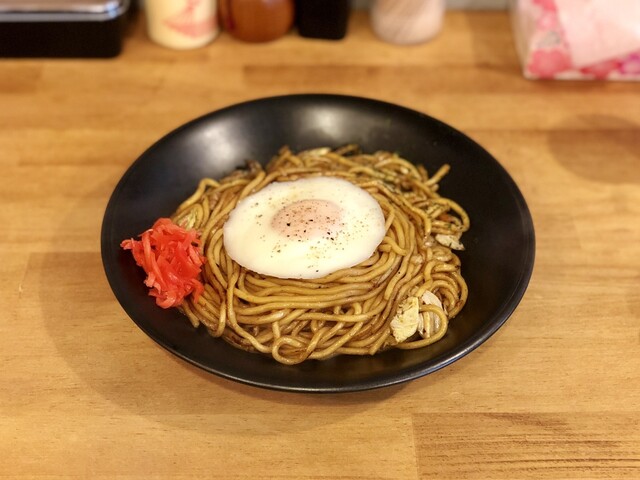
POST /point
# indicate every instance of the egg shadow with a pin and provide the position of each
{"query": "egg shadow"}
(109, 354)
(607, 151)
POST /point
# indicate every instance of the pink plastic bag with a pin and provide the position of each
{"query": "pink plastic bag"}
(578, 39)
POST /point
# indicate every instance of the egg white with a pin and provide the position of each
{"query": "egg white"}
(252, 240)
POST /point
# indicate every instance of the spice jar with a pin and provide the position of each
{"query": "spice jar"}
(407, 21)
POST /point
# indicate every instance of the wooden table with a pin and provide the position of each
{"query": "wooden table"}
(84, 393)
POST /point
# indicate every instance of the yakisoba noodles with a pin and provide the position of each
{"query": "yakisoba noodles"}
(412, 281)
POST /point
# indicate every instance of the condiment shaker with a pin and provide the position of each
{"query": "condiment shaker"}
(257, 20)
(325, 19)
(407, 21)
(182, 24)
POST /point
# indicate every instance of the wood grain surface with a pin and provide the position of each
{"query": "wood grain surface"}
(85, 394)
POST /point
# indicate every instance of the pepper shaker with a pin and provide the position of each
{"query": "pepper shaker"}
(407, 22)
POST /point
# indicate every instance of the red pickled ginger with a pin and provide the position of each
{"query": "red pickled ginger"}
(170, 256)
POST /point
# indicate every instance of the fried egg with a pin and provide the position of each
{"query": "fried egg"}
(305, 228)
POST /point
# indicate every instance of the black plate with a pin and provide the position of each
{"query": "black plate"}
(497, 263)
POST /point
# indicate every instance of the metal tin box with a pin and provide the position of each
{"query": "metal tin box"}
(62, 28)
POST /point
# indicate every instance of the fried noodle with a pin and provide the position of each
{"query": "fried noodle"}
(349, 311)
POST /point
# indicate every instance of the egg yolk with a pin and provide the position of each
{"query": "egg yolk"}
(308, 219)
